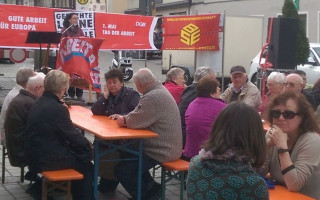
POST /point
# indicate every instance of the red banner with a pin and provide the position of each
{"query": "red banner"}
(198, 32)
(119, 31)
(79, 58)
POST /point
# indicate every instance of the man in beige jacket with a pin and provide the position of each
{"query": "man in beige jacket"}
(241, 88)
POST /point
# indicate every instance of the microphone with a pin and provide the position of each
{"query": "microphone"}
(68, 28)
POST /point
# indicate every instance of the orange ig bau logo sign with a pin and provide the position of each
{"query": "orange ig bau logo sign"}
(190, 34)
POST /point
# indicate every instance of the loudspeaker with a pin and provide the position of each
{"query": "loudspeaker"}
(282, 47)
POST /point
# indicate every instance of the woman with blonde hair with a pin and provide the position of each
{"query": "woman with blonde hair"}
(53, 143)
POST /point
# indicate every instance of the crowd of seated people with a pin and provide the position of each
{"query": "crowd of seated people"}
(224, 138)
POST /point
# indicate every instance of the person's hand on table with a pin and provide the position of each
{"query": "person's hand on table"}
(277, 137)
(121, 120)
(105, 91)
(114, 116)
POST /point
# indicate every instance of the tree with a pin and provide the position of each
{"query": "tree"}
(302, 45)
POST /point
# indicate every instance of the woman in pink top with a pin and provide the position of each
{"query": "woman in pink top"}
(175, 83)
(200, 115)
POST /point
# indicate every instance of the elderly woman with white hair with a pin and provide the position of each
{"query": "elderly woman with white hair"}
(275, 84)
(175, 83)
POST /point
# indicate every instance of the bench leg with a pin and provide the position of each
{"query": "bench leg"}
(22, 175)
(163, 183)
(153, 171)
(44, 189)
(68, 190)
(3, 163)
(181, 175)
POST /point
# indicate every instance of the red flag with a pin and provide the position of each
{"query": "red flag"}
(78, 57)
(198, 32)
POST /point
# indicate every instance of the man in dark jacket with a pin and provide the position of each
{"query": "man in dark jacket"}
(116, 100)
(16, 119)
(294, 83)
(15, 128)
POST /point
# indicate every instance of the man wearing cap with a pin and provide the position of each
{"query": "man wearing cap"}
(241, 89)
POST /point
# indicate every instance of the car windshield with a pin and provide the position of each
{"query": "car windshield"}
(317, 50)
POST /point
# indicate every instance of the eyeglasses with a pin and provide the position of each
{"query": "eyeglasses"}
(290, 84)
(287, 114)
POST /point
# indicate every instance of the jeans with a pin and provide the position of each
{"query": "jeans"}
(127, 173)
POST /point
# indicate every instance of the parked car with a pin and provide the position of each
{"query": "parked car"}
(312, 67)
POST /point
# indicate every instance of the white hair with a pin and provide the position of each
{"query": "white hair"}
(173, 72)
(144, 76)
(35, 81)
(277, 77)
(201, 72)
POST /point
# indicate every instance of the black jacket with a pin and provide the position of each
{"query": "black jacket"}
(15, 125)
(316, 96)
(123, 103)
(188, 95)
(53, 142)
(310, 99)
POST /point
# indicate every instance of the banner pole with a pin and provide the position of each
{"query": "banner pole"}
(90, 93)
(223, 33)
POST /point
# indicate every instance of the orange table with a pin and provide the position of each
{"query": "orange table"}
(106, 130)
(282, 193)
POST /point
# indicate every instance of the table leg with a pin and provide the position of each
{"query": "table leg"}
(140, 169)
(96, 168)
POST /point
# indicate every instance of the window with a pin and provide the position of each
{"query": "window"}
(178, 13)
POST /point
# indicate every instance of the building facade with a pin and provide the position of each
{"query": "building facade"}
(309, 10)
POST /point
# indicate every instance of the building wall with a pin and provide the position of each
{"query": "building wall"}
(118, 6)
(92, 6)
(169, 1)
(167, 7)
(264, 8)
(133, 4)
(267, 9)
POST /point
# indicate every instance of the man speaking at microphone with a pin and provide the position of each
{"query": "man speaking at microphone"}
(72, 29)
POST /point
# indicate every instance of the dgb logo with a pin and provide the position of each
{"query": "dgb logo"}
(190, 34)
(82, 2)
